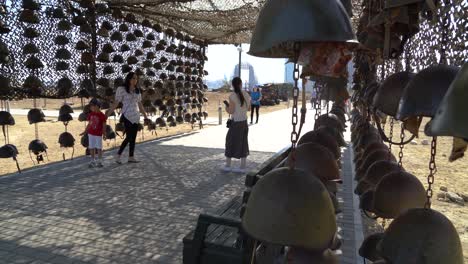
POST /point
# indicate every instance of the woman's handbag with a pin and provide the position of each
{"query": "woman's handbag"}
(229, 122)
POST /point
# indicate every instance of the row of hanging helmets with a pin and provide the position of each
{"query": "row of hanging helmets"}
(55, 49)
(296, 205)
(389, 95)
(293, 206)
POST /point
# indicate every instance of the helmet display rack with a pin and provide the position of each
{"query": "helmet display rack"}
(387, 191)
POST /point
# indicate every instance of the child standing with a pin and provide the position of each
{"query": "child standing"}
(95, 129)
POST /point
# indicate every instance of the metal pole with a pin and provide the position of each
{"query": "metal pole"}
(240, 59)
(220, 112)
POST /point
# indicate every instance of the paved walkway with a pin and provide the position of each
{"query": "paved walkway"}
(133, 213)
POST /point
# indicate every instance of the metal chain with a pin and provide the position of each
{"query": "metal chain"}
(390, 136)
(294, 118)
(36, 128)
(444, 37)
(317, 101)
(432, 172)
(402, 139)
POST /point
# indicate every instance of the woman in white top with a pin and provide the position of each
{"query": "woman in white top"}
(130, 97)
(237, 145)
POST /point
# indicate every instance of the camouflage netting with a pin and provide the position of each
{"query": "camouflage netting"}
(59, 49)
(162, 40)
(217, 21)
(439, 37)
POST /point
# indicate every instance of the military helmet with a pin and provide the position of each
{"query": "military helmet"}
(329, 120)
(363, 153)
(8, 151)
(37, 146)
(110, 134)
(66, 140)
(363, 187)
(379, 169)
(450, 118)
(365, 201)
(389, 93)
(425, 91)
(322, 138)
(65, 118)
(396, 192)
(369, 249)
(84, 141)
(65, 109)
(35, 116)
(306, 219)
(421, 235)
(371, 158)
(337, 135)
(318, 161)
(296, 255)
(6, 119)
(278, 43)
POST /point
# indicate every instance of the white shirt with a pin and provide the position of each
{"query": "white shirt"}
(240, 112)
(130, 104)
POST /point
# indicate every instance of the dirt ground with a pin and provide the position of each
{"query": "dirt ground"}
(23, 133)
(452, 175)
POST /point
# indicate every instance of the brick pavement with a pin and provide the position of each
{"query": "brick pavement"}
(132, 213)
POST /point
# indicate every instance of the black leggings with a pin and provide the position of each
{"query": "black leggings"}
(252, 107)
(131, 131)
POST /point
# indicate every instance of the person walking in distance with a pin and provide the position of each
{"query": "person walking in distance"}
(256, 96)
(130, 97)
(237, 145)
(95, 130)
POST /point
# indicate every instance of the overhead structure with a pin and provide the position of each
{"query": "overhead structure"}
(216, 21)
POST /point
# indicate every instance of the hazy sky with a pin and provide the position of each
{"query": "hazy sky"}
(223, 58)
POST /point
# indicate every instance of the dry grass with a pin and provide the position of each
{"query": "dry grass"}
(453, 175)
(23, 133)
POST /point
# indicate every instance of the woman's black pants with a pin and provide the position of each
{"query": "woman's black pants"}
(252, 108)
(131, 131)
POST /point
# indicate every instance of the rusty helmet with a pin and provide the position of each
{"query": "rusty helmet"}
(298, 255)
(374, 174)
(335, 90)
(329, 120)
(340, 113)
(365, 201)
(450, 118)
(322, 138)
(334, 200)
(362, 154)
(278, 43)
(378, 154)
(318, 161)
(389, 93)
(369, 93)
(366, 139)
(306, 219)
(363, 187)
(397, 192)
(337, 135)
(433, 81)
(421, 235)
(379, 169)
(369, 249)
